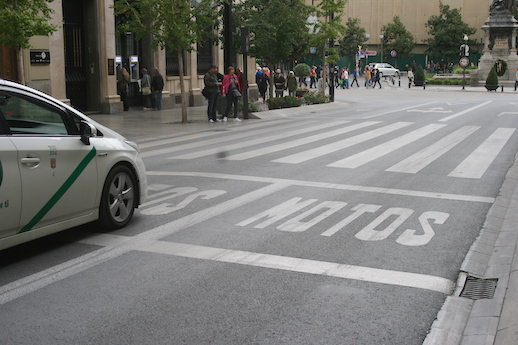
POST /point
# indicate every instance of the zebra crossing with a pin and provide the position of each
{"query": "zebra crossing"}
(310, 139)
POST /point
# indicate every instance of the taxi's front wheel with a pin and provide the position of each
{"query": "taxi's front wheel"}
(118, 198)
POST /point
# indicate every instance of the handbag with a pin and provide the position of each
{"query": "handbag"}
(205, 92)
(236, 93)
(146, 90)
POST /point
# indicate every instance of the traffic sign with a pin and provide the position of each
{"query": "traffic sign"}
(464, 62)
(393, 53)
(371, 53)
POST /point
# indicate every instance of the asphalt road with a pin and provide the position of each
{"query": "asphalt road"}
(340, 227)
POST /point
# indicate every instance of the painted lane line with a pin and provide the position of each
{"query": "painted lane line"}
(254, 142)
(379, 151)
(320, 151)
(329, 269)
(69, 268)
(218, 140)
(398, 110)
(423, 158)
(168, 141)
(476, 164)
(298, 142)
(448, 118)
(364, 189)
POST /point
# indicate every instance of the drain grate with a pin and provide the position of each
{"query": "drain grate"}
(479, 288)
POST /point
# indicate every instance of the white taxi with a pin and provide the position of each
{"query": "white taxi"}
(60, 169)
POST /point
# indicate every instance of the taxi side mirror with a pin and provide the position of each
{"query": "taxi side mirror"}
(87, 131)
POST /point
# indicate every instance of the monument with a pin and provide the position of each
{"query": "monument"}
(500, 42)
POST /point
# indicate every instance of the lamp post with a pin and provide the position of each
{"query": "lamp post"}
(367, 36)
(381, 40)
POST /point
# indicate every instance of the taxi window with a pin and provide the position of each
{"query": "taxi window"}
(31, 117)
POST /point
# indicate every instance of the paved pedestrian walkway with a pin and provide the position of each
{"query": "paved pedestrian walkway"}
(492, 320)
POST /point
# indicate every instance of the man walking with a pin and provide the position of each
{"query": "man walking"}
(212, 89)
(157, 85)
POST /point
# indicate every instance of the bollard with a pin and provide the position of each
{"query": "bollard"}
(502, 88)
(424, 85)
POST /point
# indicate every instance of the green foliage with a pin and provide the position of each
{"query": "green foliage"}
(492, 78)
(277, 28)
(419, 74)
(353, 36)
(22, 19)
(315, 97)
(174, 24)
(397, 37)
(302, 70)
(329, 26)
(447, 30)
(284, 102)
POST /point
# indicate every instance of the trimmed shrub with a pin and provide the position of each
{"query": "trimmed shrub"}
(302, 70)
(419, 74)
(315, 97)
(492, 78)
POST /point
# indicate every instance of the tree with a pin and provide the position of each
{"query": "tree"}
(277, 29)
(330, 11)
(172, 24)
(447, 30)
(22, 19)
(353, 36)
(397, 37)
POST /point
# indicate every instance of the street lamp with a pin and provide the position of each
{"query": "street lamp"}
(381, 39)
(367, 36)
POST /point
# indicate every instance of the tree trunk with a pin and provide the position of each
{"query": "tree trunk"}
(19, 63)
(182, 86)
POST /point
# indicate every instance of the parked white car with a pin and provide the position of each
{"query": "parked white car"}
(387, 70)
(60, 169)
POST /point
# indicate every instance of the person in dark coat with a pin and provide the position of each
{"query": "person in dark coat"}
(157, 85)
(212, 90)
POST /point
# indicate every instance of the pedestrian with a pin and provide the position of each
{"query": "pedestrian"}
(241, 77)
(145, 88)
(345, 77)
(355, 77)
(367, 77)
(264, 81)
(280, 83)
(211, 91)
(292, 84)
(122, 87)
(257, 74)
(410, 77)
(157, 85)
(516, 80)
(377, 78)
(313, 77)
(231, 88)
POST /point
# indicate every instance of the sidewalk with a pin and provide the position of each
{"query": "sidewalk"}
(491, 320)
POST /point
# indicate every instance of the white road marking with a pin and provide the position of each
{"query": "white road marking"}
(507, 113)
(376, 152)
(340, 145)
(430, 110)
(69, 268)
(476, 164)
(257, 141)
(364, 189)
(216, 141)
(329, 269)
(298, 142)
(448, 118)
(423, 158)
(398, 110)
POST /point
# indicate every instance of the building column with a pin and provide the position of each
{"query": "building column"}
(57, 54)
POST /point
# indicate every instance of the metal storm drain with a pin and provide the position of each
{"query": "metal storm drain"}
(479, 288)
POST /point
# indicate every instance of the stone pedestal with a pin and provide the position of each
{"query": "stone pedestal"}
(500, 44)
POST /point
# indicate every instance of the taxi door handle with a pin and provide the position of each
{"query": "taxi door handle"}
(30, 161)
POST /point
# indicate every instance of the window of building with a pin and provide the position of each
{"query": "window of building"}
(172, 65)
(204, 55)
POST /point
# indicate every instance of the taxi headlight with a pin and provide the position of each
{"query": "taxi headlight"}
(132, 144)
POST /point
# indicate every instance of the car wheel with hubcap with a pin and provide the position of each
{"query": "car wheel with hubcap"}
(118, 198)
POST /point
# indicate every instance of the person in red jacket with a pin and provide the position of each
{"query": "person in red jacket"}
(232, 90)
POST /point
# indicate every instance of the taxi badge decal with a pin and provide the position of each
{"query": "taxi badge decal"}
(53, 163)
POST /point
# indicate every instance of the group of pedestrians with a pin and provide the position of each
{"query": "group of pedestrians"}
(149, 87)
(217, 84)
(372, 78)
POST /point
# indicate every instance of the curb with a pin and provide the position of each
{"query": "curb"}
(491, 321)
(302, 110)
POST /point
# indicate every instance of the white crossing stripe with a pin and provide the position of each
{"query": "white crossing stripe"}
(423, 158)
(464, 112)
(214, 141)
(476, 164)
(194, 136)
(398, 110)
(299, 142)
(253, 142)
(376, 152)
(329, 269)
(340, 145)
